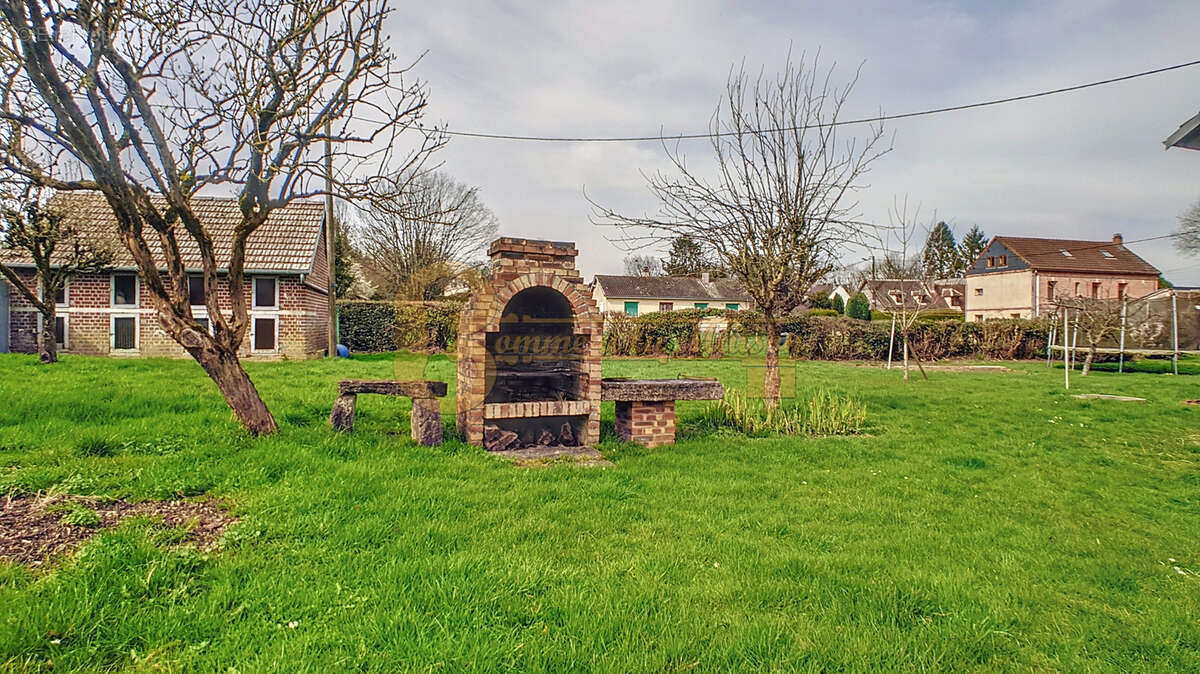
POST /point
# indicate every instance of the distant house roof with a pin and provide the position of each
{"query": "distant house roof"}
(1186, 136)
(672, 288)
(1103, 257)
(285, 243)
(887, 294)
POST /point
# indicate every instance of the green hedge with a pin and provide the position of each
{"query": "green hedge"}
(372, 327)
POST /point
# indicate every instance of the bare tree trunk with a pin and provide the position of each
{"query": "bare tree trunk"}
(47, 337)
(771, 379)
(235, 385)
(1087, 362)
(905, 356)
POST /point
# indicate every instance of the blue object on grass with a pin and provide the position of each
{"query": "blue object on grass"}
(342, 351)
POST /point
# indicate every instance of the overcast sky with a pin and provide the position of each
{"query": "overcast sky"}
(1078, 165)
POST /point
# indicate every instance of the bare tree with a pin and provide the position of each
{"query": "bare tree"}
(781, 203)
(1096, 319)
(151, 101)
(638, 264)
(425, 235)
(910, 283)
(33, 227)
(1187, 237)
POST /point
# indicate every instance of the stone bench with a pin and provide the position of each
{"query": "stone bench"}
(646, 407)
(426, 412)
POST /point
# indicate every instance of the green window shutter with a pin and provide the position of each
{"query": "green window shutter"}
(631, 308)
(701, 305)
(733, 306)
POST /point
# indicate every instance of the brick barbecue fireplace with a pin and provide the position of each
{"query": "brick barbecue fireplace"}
(529, 351)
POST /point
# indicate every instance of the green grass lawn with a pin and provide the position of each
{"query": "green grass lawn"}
(986, 521)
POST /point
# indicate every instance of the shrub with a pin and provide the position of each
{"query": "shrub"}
(372, 327)
(818, 301)
(837, 304)
(859, 307)
(823, 312)
(823, 413)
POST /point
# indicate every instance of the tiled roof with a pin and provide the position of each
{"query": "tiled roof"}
(883, 294)
(1085, 256)
(672, 288)
(285, 243)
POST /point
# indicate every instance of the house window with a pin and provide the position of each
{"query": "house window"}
(124, 333)
(991, 262)
(631, 308)
(1003, 260)
(124, 290)
(1121, 290)
(196, 291)
(732, 306)
(204, 323)
(978, 292)
(1065, 252)
(1095, 291)
(896, 296)
(266, 293)
(701, 305)
(62, 296)
(1077, 288)
(666, 306)
(1050, 289)
(264, 334)
(1107, 255)
(978, 318)
(1014, 315)
(61, 324)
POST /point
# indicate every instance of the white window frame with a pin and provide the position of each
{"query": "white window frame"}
(254, 318)
(204, 316)
(137, 333)
(254, 293)
(112, 290)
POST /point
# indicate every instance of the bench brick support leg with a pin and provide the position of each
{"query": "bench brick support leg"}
(648, 423)
(342, 417)
(426, 421)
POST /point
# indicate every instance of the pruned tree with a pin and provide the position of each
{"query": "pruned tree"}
(911, 283)
(1187, 237)
(780, 204)
(151, 101)
(1096, 319)
(33, 227)
(970, 247)
(420, 238)
(940, 257)
(897, 265)
(637, 265)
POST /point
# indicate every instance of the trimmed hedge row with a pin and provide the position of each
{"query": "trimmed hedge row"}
(385, 326)
(372, 327)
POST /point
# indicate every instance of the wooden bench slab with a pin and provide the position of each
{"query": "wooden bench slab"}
(426, 418)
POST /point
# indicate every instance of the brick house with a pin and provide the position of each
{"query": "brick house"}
(1019, 277)
(637, 295)
(110, 314)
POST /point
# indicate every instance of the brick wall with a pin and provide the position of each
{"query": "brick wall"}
(301, 316)
(647, 423)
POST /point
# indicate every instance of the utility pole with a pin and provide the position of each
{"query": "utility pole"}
(330, 241)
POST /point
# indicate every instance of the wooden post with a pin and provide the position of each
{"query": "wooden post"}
(1066, 365)
(330, 241)
(1121, 358)
(1050, 345)
(1175, 333)
(891, 341)
(1074, 339)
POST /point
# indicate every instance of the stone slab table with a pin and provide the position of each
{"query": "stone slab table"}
(426, 413)
(646, 407)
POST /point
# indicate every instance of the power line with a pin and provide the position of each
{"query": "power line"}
(864, 120)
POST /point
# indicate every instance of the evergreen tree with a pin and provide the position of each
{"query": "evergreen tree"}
(686, 258)
(940, 258)
(343, 274)
(859, 307)
(970, 248)
(837, 304)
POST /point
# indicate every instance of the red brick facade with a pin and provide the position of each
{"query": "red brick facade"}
(300, 319)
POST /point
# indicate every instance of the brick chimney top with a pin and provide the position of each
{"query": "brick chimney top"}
(704, 277)
(512, 247)
(1118, 239)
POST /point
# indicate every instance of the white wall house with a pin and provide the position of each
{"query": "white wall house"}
(638, 295)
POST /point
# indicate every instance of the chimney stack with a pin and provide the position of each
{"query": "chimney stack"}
(704, 277)
(645, 271)
(1118, 239)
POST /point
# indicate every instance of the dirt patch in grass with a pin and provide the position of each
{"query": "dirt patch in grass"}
(33, 530)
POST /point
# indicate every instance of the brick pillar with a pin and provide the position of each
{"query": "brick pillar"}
(648, 423)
